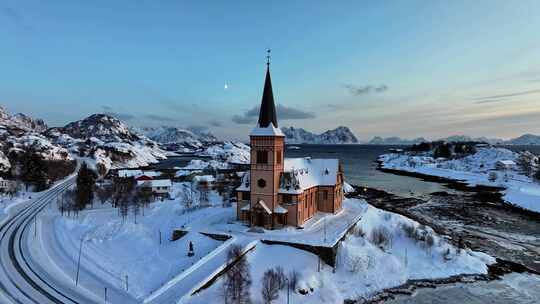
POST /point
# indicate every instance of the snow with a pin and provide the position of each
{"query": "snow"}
(114, 249)
(307, 173)
(474, 170)
(204, 178)
(363, 268)
(270, 130)
(129, 173)
(155, 183)
(228, 152)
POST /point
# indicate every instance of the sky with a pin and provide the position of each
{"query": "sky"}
(383, 68)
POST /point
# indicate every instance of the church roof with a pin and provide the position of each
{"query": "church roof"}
(303, 173)
(267, 114)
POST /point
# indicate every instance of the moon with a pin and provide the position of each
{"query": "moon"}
(226, 87)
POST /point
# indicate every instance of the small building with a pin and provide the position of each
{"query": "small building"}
(6, 185)
(160, 187)
(143, 178)
(505, 164)
(126, 173)
(204, 180)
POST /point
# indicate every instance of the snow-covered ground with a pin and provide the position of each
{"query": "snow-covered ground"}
(113, 249)
(230, 152)
(8, 203)
(363, 267)
(473, 170)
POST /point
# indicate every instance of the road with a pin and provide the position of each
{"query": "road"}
(20, 282)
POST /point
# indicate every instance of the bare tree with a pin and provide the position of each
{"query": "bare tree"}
(526, 162)
(270, 286)
(237, 278)
(104, 193)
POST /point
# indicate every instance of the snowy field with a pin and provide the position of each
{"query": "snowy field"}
(474, 170)
(7, 203)
(114, 249)
(364, 267)
(383, 250)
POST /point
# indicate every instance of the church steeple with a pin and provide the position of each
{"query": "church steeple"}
(267, 113)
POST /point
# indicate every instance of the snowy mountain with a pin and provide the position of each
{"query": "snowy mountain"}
(394, 140)
(527, 139)
(107, 141)
(339, 135)
(101, 126)
(194, 136)
(20, 133)
(20, 123)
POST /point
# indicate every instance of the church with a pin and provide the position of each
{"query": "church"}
(279, 191)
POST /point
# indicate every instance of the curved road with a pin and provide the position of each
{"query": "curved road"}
(19, 282)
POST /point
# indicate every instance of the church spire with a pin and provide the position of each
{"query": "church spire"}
(267, 113)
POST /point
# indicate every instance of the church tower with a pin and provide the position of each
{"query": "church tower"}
(267, 147)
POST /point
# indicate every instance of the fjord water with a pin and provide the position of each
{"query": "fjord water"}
(360, 168)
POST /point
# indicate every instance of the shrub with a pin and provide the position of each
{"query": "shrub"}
(381, 237)
(360, 232)
(273, 281)
(410, 230)
(293, 277)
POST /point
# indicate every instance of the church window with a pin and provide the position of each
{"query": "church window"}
(262, 157)
(261, 183)
(278, 156)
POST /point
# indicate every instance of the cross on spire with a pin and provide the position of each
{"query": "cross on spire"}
(268, 57)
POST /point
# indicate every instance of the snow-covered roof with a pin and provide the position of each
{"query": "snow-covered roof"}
(244, 186)
(155, 183)
(246, 207)
(303, 173)
(507, 162)
(261, 202)
(129, 173)
(204, 178)
(151, 173)
(267, 131)
(280, 210)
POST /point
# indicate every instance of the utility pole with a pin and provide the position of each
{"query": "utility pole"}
(127, 284)
(288, 286)
(78, 263)
(105, 295)
(35, 226)
(160, 236)
(325, 230)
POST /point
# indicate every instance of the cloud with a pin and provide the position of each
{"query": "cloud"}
(215, 123)
(15, 17)
(283, 113)
(501, 97)
(157, 117)
(121, 116)
(363, 90)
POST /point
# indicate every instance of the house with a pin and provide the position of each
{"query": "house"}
(6, 185)
(278, 191)
(505, 164)
(204, 180)
(147, 175)
(160, 187)
(129, 173)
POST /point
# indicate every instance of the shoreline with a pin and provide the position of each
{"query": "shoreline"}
(495, 271)
(482, 192)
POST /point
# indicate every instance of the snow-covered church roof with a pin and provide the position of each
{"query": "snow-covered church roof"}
(270, 130)
(304, 173)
